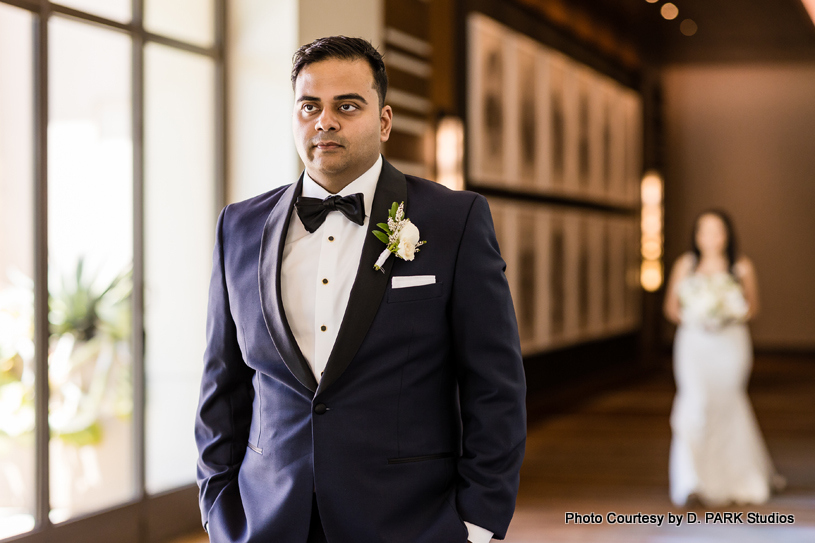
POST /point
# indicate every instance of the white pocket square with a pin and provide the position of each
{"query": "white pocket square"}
(413, 280)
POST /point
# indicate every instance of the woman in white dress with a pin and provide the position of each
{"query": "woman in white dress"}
(717, 452)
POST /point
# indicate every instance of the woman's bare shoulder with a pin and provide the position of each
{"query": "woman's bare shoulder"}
(685, 261)
(744, 266)
(682, 267)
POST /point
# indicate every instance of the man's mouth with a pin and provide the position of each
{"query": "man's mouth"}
(327, 145)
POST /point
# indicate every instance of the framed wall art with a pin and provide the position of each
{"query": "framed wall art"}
(489, 109)
(542, 124)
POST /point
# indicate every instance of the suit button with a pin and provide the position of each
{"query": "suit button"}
(320, 408)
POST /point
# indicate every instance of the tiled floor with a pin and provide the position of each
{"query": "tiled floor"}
(611, 454)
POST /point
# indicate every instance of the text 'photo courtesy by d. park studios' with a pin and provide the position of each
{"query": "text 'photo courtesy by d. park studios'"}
(678, 519)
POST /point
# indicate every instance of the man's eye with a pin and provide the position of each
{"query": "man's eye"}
(309, 107)
(348, 107)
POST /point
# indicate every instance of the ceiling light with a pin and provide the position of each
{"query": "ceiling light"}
(669, 11)
(688, 27)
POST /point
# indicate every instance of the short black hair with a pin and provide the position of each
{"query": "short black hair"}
(345, 48)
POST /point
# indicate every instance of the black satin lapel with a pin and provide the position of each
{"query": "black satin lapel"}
(271, 256)
(369, 285)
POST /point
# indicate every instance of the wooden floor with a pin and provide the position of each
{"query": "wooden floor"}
(611, 455)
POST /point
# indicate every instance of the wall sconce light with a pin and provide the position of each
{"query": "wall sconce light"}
(651, 271)
(450, 153)
(810, 7)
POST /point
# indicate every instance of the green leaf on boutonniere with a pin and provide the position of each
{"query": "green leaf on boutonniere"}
(381, 236)
(384, 226)
(394, 208)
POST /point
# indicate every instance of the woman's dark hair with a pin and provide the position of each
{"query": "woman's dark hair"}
(344, 48)
(730, 249)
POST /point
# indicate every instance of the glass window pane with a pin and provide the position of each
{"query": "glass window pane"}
(179, 235)
(17, 486)
(90, 202)
(118, 10)
(185, 20)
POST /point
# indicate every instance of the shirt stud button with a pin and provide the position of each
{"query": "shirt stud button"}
(323, 328)
(325, 281)
(330, 238)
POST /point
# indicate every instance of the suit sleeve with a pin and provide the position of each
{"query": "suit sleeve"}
(225, 404)
(492, 386)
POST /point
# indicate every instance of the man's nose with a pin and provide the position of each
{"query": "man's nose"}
(327, 121)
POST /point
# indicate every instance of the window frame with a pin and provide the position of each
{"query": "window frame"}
(145, 518)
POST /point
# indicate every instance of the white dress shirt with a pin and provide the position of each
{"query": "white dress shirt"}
(317, 273)
(319, 269)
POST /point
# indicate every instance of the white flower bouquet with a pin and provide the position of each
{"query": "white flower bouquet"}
(713, 301)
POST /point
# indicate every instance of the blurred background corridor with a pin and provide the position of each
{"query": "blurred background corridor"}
(597, 129)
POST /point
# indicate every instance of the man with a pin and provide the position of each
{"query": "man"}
(341, 402)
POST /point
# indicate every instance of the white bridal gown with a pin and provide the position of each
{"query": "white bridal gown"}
(717, 451)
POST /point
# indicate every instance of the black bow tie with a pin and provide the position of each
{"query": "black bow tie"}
(312, 211)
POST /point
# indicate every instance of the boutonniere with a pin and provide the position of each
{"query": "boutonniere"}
(400, 236)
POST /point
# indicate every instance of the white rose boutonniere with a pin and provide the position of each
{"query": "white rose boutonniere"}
(400, 236)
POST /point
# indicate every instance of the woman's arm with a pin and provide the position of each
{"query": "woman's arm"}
(671, 307)
(749, 282)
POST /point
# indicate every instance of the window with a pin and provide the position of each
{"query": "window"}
(179, 200)
(111, 174)
(17, 453)
(90, 253)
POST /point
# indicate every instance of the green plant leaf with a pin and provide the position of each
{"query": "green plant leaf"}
(394, 209)
(77, 307)
(92, 435)
(80, 264)
(381, 236)
(384, 226)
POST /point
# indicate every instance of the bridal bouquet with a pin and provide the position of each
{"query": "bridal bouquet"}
(713, 301)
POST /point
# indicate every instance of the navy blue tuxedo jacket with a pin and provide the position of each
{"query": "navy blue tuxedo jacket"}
(418, 422)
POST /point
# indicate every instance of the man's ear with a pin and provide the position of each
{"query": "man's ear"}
(385, 122)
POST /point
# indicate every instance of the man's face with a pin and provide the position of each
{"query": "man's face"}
(338, 126)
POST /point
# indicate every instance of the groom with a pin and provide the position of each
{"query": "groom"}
(342, 403)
